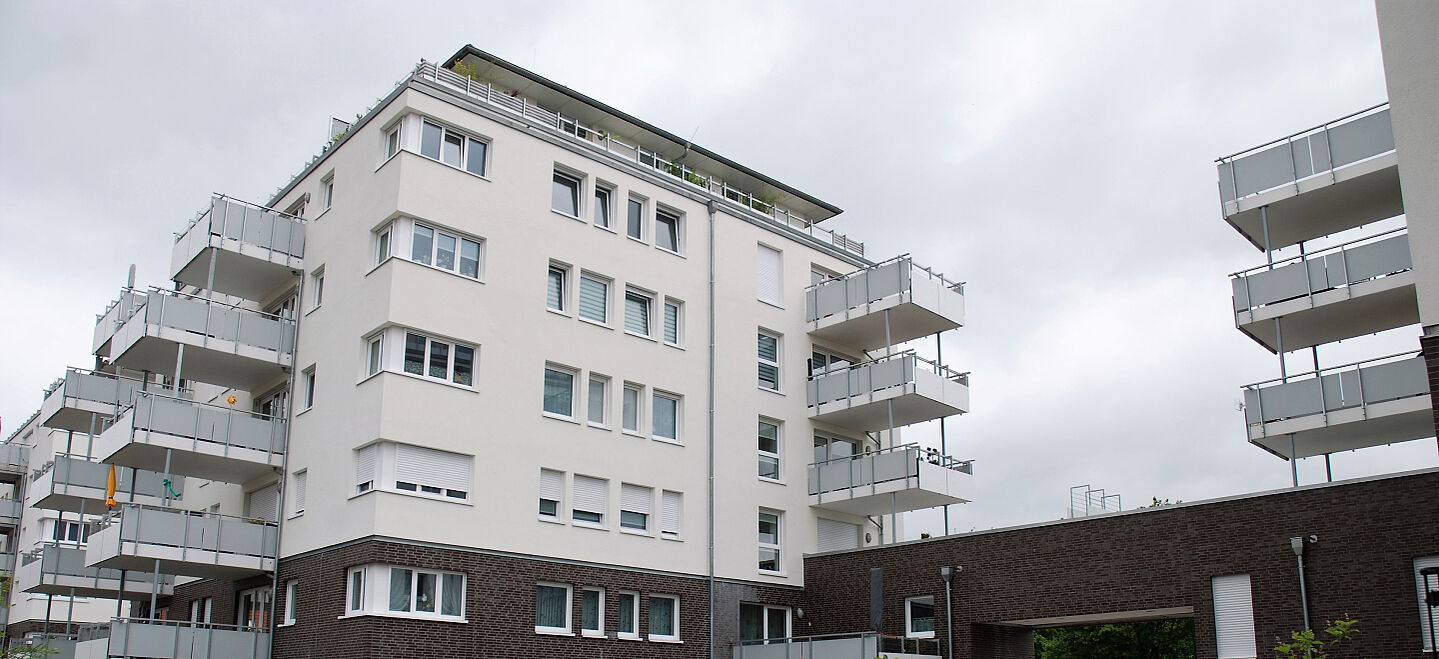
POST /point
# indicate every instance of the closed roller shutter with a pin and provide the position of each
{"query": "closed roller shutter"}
(637, 498)
(427, 466)
(592, 494)
(671, 511)
(836, 536)
(298, 487)
(593, 295)
(264, 503)
(769, 272)
(1234, 617)
(552, 484)
(365, 468)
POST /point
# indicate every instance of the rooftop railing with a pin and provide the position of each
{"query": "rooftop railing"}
(514, 103)
(1349, 263)
(1307, 153)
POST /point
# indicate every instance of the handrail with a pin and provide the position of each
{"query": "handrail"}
(1323, 252)
(200, 215)
(112, 517)
(178, 622)
(934, 276)
(935, 367)
(929, 455)
(217, 303)
(1333, 122)
(1331, 369)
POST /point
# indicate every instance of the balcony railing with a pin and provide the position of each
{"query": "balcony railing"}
(10, 510)
(209, 441)
(75, 484)
(258, 249)
(172, 639)
(864, 645)
(1355, 385)
(247, 224)
(902, 388)
(514, 103)
(1342, 265)
(7, 563)
(76, 399)
(1314, 152)
(896, 479)
(851, 309)
(116, 313)
(60, 570)
(210, 323)
(14, 461)
(184, 542)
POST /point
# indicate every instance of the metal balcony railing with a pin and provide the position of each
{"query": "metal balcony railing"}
(247, 223)
(200, 538)
(1314, 152)
(14, 458)
(177, 639)
(866, 379)
(72, 478)
(116, 313)
(869, 285)
(1359, 384)
(1342, 265)
(206, 320)
(897, 463)
(56, 569)
(10, 510)
(861, 645)
(213, 425)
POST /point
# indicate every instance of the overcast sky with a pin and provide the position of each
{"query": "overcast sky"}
(1056, 156)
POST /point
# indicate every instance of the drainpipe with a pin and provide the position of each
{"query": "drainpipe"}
(947, 573)
(285, 457)
(710, 436)
(1297, 543)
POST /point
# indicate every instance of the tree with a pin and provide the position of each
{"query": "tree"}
(1307, 644)
(1152, 639)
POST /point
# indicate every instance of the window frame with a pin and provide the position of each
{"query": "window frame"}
(679, 307)
(457, 256)
(649, 301)
(451, 359)
(636, 222)
(569, 609)
(649, 517)
(673, 637)
(317, 287)
(575, 509)
(384, 243)
(639, 408)
(600, 280)
(599, 630)
(394, 140)
(766, 637)
(607, 204)
(307, 388)
(604, 403)
(292, 590)
(375, 354)
(327, 192)
(576, 181)
(775, 363)
(776, 455)
(634, 617)
(909, 631)
(777, 546)
(376, 601)
(465, 148)
(558, 274)
(656, 395)
(574, 375)
(300, 478)
(663, 213)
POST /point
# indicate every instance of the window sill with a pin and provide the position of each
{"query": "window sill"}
(596, 323)
(553, 632)
(295, 516)
(775, 481)
(643, 534)
(312, 310)
(564, 214)
(920, 635)
(587, 525)
(416, 495)
(598, 426)
(285, 624)
(559, 417)
(641, 241)
(452, 273)
(666, 440)
(430, 380)
(558, 312)
(629, 637)
(592, 634)
(302, 412)
(776, 392)
(550, 520)
(322, 213)
(772, 573)
(664, 639)
(676, 346)
(407, 616)
(671, 252)
(605, 228)
(632, 433)
(673, 538)
(642, 336)
(453, 168)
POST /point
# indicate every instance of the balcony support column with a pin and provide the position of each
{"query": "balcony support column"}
(180, 362)
(70, 615)
(155, 588)
(1293, 461)
(943, 447)
(210, 275)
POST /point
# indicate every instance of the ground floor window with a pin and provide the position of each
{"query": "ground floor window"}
(919, 617)
(763, 622)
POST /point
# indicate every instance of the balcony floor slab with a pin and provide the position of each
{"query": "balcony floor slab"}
(1388, 422)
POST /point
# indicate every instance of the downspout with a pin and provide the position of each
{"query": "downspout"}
(285, 457)
(710, 465)
(1297, 544)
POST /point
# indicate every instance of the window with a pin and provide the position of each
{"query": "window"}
(769, 275)
(427, 357)
(667, 230)
(671, 514)
(629, 618)
(598, 403)
(666, 416)
(822, 361)
(594, 299)
(317, 287)
(768, 361)
(602, 206)
(591, 500)
(297, 209)
(446, 251)
(308, 382)
(552, 488)
(769, 539)
(1428, 608)
(919, 617)
(382, 244)
(631, 412)
(254, 610)
(635, 218)
(672, 321)
(452, 148)
(408, 591)
(818, 275)
(552, 608)
(374, 355)
(414, 470)
(769, 449)
(637, 312)
(664, 618)
(73, 532)
(636, 502)
(565, 194)
(392, 142)
(200, 609)
(297, 489)
(292, 590)
(761, 622)
(559, 391)
(556, 284)
(366, 466)
(834, 448)
(592, 611)
(1233, 617)
(327, 192)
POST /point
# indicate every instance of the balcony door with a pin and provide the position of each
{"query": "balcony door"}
(255, 608)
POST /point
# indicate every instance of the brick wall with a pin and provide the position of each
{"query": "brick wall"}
(1369, 534)
(1429, 345)
(499, 607)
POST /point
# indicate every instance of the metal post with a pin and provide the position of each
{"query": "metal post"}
(179, 363)
(1431, 601)
(1293, 461)
(943, 447)
(1297, 544)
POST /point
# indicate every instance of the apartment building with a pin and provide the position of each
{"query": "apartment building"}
(503, 371)
(1347, 217)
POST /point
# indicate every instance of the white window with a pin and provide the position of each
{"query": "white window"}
(1428, 608)
(264, 503)
(666, 416)
(557, 280)
(635, 218)
(629, 614)
(769, 360)
(636, 504)
(669, 230)
(73, 532)
(392, 141)
(594, 298)
(591, 501)
(672, 324)
(406, 591)
(769, 275)
(565, 194)
(445, 250)
(1234, 617)
(297, 492)
(603, 205)
(327, 192)
(834, 448)
(414, 470)
(671, 514)
(559, 399)
(760, 622)
(292, 591)
(769, 541)
(297, 209)
(638, 306)
(592, 611)
(453, 148)
(317, 287)
(552, 489)
(253, 613)
(366, 468)
(769, 449)
(630, 421)
(919, 617)
(431, 358)
(375, 355)
(598, 401)
(823, 361)
(382, 243)
(664, 618)
(308, 382)
(201, 609)
(552, 608)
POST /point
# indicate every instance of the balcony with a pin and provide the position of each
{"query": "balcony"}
(852, 310)
(7, 564)
(1369, 403)
(229, 345)
(116, 313)
(1317, 182)
(256, 250)
(171, 639)
(184, 542)
(82, 395)
(1360, 287)
(76, 485)
(14, 462)
(10, 510)
(889, 392)
(898, 479)
(61, 570)
(203, 441)
(866, 645)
